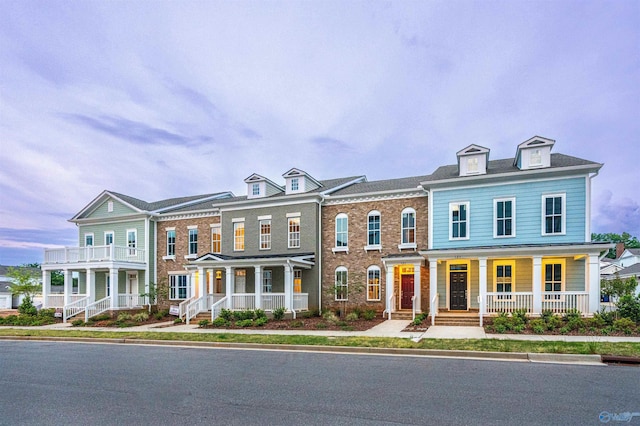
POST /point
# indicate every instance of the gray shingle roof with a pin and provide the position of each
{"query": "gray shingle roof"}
(162, 204)
(496, 167)
(630, 270)
(634, 251)
(381, 186)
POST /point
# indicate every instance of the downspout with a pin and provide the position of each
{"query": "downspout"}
(320, 202)
(588, 208)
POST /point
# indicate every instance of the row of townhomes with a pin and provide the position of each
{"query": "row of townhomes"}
(476, 237)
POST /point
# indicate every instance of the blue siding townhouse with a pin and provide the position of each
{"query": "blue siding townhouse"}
(512, 234)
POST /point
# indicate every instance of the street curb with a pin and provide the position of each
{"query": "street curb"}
(437, 353)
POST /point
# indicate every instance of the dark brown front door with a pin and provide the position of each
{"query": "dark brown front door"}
(407, 292)
(458, 291)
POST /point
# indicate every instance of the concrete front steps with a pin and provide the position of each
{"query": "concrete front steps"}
(459, 319)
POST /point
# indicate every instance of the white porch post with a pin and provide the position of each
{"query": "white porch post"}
(288, 287)
(68, 286)
(229, 284)
(594, 283)
(389, 283)
(416, 286)
(201, 283)
(537, 284)
(113, 291)
(46, 287)
(258, 286)
(91, 285)
(433, 287)
(482, 270)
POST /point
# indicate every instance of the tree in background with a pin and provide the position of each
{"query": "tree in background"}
(626, 238)
(25, 282)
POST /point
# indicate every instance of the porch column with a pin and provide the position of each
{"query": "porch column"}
(537, 284)
(202, 282)
(46, 287)
(258, 286)
(416, 286)
(68, 286)
(389, 283)
(113, 291)
(229, 284)
(593, 286)
(91, 285)
(433, 285)
(482, 270)
(288, 287)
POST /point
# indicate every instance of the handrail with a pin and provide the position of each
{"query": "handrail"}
(217, 307)
(96, 308)
(480, 308)
(413, 306)
(74, 308)
(182, 307)
(391, 297)
(198, 305)
(434, 308)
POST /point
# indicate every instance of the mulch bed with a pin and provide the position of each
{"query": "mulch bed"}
(313, 323)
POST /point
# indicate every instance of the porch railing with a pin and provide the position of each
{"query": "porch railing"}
(508, 302)
(562, 302)
(217, 307)
(74, 308)
(132, 300)
(301, 301)
(57, 300)
(272, 301)
(93, 254)
(96, 308)
(201, 304)
(243, 301)
(182, 307)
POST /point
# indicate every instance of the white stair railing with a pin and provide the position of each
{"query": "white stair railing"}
(413, 307)
(434, 309)
(96, 308)
(217, 307)
(201, 304)
(392, 297)
(74, 308)
(182, 307)
(480, 307)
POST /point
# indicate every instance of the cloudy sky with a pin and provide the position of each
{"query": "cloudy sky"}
(157, 99)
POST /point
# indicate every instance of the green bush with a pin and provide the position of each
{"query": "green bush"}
(102, 317)
(500, 328)
(177, 321)
(624, 324)
(352, 316)
(369, 314)
(26, 307)
(629, 307)
(124, 316)
(575, 323)
(77, 323)
(553, 322)
(296, 324)
(419, 319)
(564, 330)
(220, 322)
(261, 321)
(537, 325)
(518, 328)
(244, 323)
(572, 314)
(161, 314)
(141, 316)
(203, 323)
(259, 313)
(278, 314)
(246, 314)
(547, 314)
(226, 314)
(306, 314)
(47, 313)
(521, 314)
(321, 325)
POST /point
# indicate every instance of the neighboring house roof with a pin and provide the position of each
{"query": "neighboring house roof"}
(4, 270)
(381, 186)
(633, 270)
(497, 167)
(634, 251)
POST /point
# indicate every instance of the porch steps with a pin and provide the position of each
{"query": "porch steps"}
(459, 320)
(401, 315)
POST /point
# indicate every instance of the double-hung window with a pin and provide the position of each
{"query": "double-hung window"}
(408, 237)
(295, 184)
(88, 240)
(373, 229)
(267, 281)
(553, 217)
(108, 238)
(255, 189)
(193, 241)
(504, 220)
(178, 286)
(342, 284)
(216, 239)
(132, 237)
(297, 280)
(294, 230)
(373, 283)
(459, 221)
(265, 233)
(342, 231)
(171, 242)
(238, 235)
(504, 279)
(553, 279)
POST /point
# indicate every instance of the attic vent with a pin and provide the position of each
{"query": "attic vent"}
(536, 142)
(473, 150)
(110, 206)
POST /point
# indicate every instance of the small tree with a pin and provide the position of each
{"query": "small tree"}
(157, 294)
(345, 285)
(617, 287)
(25, 283)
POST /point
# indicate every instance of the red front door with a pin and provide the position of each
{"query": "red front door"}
(406, 288)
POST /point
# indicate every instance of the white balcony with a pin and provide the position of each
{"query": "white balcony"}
(110, 253)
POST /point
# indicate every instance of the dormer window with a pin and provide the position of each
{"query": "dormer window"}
(473, 160)
(255, 189)
(298, 181)
(534, 153)
(294, 184)
(472, 165)
(535, 158)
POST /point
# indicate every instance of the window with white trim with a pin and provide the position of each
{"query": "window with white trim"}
(171, 242)
(295, 184)
(238, 236)
(178, 287)
(265, 234)
(553, 271)
(553, 207)
(373, 228)
(267, 281)
(88, 239)
(193, 241)
(342, 231)
(504, 217)
(255, 189)
(408, 226)
(297, 280)
(503, 278)
(342, 284)
(373, 283)
(294, 232)
(132, 241)
(108, 238)
(535, 157)
(107, 282)
(216, 239)
(459, 221)
(472, 165)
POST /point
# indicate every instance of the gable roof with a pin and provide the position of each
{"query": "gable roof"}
(630, 270)
(386, 185)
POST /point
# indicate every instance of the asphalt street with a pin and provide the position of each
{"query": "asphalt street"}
(105, 384)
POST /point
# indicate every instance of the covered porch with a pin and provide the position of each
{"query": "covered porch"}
(267, 283)
(489, 280)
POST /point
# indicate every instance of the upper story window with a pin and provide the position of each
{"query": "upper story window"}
(408, 224)
(553, 216)
(504, 220)
(459, 221)
(238, 236)
(373, 283)
(342, 232)
(373, 228)
(132, 241)
(193, 241)
(472, 165)
(108, 238)
(265, 234)
(295, 184)
(88, 240)
(341, 284)
(535, 157)
(171, 242)
(216, 239)
(294, 231)
(255, 189)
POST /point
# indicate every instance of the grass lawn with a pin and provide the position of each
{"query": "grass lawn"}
(485, 345)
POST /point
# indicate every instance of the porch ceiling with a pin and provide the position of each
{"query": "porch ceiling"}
(523, 250)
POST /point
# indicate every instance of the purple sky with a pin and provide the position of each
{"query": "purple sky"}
(164, 99)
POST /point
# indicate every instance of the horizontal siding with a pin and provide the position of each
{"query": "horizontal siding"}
(528, 216)
(118, 210)
(119, 229)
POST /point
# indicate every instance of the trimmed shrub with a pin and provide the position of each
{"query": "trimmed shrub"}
(26, 307)
(141, 316)
(629, 307)
(77, 323)
(261, 321)
(244, 323)
(369, 314)
(47, 313)
(624, 324)
(220, 322)
(124, 316)
(278, 314)
(352, 316)
(203, 323)
(226, 314)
